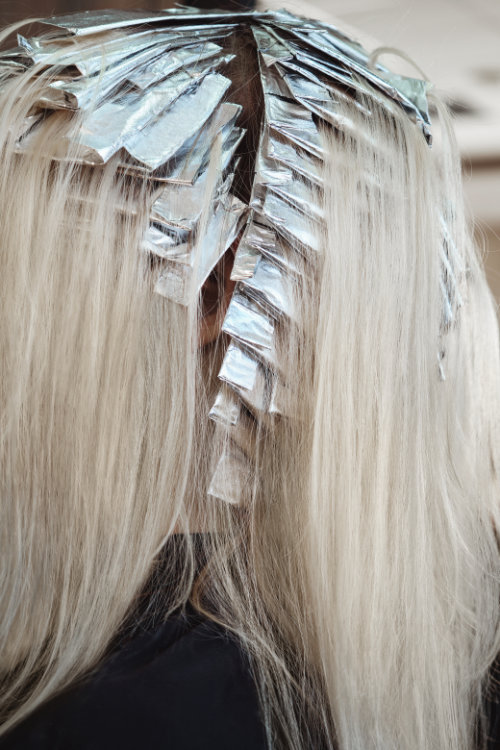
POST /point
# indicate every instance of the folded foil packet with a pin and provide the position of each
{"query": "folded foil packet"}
(153, 92)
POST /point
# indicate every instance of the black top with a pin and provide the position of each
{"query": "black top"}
(182, 684)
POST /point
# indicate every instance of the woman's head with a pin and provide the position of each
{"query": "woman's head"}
(352, 491)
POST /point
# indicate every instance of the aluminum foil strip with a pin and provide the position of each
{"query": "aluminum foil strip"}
(256, 239)
(295, 160)
(123, 124)
(318, 99)
(344, 78)
(226, 408)
(293, 226)
(181, 282)
(453, 274)
(231, 138)
(247, 322)
(323, 39)
(272, 288)
(158, 143)
(284, 19)
(13, 63)
(281, 400)
(229, 412)
(271, 47)
(245, 259)
(89, 22)
(268, 172)
(245, 375)
(97, 21)
(261, 391)
(10, 68)
(168, 245)
(336, 91)
(259, 234)
(89, 93)
(414, 90)
(410, 96)
(176, 213)
(117, 123)
(81, 92)
(304, 88)
(169, 235)
(198, 156)
(281, 254)
(181, 204)
(233, 477)
(291, 121)
(188, 57)
(261, 240)
(194, 155)
(300, 196)
(447, 315)
(15, 54)
(90, 59)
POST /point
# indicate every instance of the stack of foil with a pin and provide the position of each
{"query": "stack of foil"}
(152, 93)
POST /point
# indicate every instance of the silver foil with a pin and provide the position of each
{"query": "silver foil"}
(166, 64)
(133, 122)
(89, 93)
(91, 58)
(294, 226)
(151, 90)
(226, 408)
(232, 478)
(296, 160)
(270, 287)
(228, 411)
(194, 155)
(245, 375)
(98, 21)
(246, 321)
(181, 280)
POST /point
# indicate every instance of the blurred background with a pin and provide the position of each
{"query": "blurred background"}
(455, 42)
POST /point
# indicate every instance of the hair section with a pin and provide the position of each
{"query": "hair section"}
(362, 576)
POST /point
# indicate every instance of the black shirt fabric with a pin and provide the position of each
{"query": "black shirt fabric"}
(493, 707)
(178, 684)
(181, 684)
(184, 686)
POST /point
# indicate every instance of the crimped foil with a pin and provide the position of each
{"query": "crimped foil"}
(133, 124)
(246, 321)
(194, 155)
(233, 476)
(182, 279)
(245, 375)
(228, 411)
(151, 91)
(271, 287)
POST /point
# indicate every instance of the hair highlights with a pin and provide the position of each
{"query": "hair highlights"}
(363, 574)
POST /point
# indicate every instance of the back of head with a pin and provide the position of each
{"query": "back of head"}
(347, 477)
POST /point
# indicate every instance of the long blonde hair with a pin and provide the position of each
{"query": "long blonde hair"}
(362, 577)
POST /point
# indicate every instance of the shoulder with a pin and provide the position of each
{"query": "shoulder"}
(185, 685)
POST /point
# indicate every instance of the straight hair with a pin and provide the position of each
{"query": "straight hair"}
(362, 575)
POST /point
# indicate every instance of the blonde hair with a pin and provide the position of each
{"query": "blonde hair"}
(362, 577)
